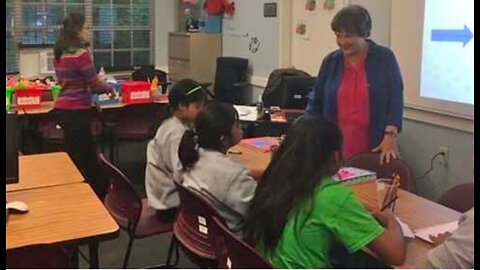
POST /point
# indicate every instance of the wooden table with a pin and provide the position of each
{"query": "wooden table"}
(45, 170)
(255, 160)
(66, 214)
(414, 210)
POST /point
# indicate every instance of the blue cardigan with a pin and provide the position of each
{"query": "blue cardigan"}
(385, 88)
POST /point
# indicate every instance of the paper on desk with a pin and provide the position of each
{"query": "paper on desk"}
(407, 232)
(425, 233)
(246, 113)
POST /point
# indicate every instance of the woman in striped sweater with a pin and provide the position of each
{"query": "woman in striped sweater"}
(78, 77)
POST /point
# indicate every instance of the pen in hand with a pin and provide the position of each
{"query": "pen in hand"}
(387, 205)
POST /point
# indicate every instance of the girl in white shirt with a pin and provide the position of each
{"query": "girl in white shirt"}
(186, 98)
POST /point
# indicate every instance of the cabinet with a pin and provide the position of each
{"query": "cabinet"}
(193, 55)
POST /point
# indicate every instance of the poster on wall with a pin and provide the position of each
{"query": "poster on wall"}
(301, 30)
(311, 6)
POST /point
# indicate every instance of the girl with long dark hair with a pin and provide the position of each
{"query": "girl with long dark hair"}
(300, 214)
(206, 168)
(77, 75)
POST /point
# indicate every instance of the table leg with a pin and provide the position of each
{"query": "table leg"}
(93, 252)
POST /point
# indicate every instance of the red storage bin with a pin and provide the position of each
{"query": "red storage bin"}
(29, 98)
(135, 92)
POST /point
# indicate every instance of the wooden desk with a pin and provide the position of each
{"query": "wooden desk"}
(67, 214)
(255, 160)
(61, 214)
(414, 210)
(45, 170)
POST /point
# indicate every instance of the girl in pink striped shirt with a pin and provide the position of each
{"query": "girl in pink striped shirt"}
(78, 77)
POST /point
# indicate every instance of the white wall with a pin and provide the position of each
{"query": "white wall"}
(247, 23)
(307, 54)
(165, 12)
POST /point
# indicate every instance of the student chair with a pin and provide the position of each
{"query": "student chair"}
(236, 254)
(459, 198)
(192, 227)
(131, 212)
(371, 161)
(135, 122)
(230, 79)
(52, 134)
(43, 256)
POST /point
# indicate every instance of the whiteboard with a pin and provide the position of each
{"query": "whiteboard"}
(247, 25)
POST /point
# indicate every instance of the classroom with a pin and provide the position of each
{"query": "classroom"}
(239, 134)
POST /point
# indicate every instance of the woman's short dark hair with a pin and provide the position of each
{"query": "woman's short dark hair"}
(353, 19)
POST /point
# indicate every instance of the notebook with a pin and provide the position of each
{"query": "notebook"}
(425, 233)
(350, 175)
(263, 144)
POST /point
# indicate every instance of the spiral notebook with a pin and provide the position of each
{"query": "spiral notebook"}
(350, 175)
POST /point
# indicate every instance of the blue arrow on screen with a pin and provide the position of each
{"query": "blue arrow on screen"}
(453, 35)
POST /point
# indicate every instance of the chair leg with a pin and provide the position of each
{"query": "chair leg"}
(127, 255)
(173, 245)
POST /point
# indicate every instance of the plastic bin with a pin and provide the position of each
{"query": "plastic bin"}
(211, 24)
(135, 92)
(29, 98)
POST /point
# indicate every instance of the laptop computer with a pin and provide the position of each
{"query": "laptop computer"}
(12, 147)
(298, 89)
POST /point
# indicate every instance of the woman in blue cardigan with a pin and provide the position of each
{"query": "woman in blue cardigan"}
(360, 87)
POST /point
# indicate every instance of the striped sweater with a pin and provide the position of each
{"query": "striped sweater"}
(78, 77)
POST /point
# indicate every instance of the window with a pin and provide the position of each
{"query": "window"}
(42, 18)
(121, 34)
(11, 49)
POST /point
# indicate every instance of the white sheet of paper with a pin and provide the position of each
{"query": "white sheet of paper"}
(247, 113)
(424, 233)
(407, 232)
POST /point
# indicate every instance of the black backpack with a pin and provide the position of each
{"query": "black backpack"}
(275, 93)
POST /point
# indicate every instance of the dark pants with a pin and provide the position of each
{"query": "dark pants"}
(168, 215)
(81, 146)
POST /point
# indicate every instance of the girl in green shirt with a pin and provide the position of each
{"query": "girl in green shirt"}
(299, 214)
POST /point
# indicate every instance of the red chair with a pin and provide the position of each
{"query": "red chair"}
(371, 161)
(52, 134)
(131, 212)
(459, 198)
(41, 256)
(192, 227)
(135, 122)
(236, 254)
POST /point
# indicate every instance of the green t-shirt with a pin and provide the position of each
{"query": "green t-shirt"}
(331, 217)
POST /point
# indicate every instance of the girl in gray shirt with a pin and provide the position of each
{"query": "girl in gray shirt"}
(455, 250)
(226, 184)
(186, 98)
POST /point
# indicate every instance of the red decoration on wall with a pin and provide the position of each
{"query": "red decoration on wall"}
(217, 7)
